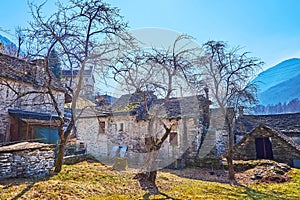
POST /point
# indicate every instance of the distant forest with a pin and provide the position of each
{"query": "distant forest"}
(291, 107)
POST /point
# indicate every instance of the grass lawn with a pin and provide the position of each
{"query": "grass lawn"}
(92, 180)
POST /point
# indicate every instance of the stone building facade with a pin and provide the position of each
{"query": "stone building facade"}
(21, 116)
(71, 77)
(125, 128)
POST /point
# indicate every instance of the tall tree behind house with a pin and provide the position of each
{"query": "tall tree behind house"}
(227, 72)
(55, 64)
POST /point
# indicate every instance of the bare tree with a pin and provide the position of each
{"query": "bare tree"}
(20, 38)
(76, 31)
(162, 72)
(227, 74)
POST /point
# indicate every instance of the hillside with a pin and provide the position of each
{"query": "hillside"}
(283, 92)
(280, 83)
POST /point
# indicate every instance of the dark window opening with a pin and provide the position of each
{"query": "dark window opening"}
(173, 138)
(121, 127)
(101, 127)
(263, 148)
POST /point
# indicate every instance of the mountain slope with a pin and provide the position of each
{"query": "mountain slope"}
(278, 74)
(280, 83)
(9, 46)
(283, 92)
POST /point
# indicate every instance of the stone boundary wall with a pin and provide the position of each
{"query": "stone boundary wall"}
(26, 160)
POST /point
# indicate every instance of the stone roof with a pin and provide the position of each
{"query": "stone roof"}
(24, 71)
(285, 123)
(173, 108)
(133, 104)
(92, 112)
(16, 69)
(24, 146)
(181, 107)
(105, 100)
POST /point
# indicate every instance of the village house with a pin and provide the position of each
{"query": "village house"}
(31, 117)
(122, 130)
(287, 124)
(275, 137)
(71, 77)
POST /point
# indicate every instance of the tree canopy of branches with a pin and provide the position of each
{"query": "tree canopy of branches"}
(227, 74)
(161, 72)
(76, 30)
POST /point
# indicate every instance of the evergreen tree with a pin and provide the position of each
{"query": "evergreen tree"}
(54, 64)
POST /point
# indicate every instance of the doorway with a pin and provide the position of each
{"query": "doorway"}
(263, 148)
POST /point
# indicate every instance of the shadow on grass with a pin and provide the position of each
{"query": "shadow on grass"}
(24, 191)
(254, 194)
(148, 195)
(20, 181)
(257, 195)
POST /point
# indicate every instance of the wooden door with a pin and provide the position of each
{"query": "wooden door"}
(263, 148)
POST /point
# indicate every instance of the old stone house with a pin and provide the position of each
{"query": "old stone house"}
(30, 117)
(287, 124)
(266, 143)
(124, 129)
(275, 137)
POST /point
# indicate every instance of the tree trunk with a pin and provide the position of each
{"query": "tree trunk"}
(229, 157)
(230, 166)
(230, 148)
(147, 177)
(60, 155)
(147, 181)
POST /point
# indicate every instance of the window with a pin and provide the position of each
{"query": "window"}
(173, 138)
(121, 127)
(101, 127)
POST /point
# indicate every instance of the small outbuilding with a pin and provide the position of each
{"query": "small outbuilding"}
(266, 143)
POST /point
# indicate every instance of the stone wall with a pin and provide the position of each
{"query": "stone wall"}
(26, 160)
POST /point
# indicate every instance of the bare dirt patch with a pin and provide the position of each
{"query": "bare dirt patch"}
(259, 172)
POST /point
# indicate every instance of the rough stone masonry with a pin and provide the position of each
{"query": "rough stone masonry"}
(26, 159)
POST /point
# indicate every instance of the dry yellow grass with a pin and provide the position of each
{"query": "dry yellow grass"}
(92, 180)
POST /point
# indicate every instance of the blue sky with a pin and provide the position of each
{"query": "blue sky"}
(269, 29)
